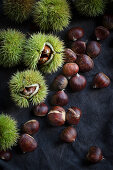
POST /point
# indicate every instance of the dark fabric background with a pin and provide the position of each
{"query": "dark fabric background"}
(95, 127)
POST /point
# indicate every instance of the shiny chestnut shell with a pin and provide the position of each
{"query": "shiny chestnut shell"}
(60, 83)
(69, 56)
(31, 127)
(75, 33)
(77, 83)
(40, 109)
(93, 49)
(101, 80)
(73, 115)
(5, 155)
(69, 134)
(56, 116)
(27, 143)
(60, 98)
(94, 154)
(70, 69)
(85, 63)
(79, 47)
(101, 33)
(108, 21)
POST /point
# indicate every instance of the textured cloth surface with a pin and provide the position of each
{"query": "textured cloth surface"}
(96, 124)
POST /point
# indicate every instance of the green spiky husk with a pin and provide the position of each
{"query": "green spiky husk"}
(18, 10)
(11, 47)
(22, 79)
(8, 132)
(33, 50)
(52, 15)
(90, 8)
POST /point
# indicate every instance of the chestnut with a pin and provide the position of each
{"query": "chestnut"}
(101, 80)
(27, 143)
(93, 49)
(77, 83)
(60, 98)
(31, 127)
(79, 47)
(73, 115)
(75, 33)
(108, 21)
(69, 56)
(70, 69)
(40, 109)
(60, 83)
(56, 116)
(94, 154)
(5, 155)
(101, 33)
(85, 63)
(69, 134)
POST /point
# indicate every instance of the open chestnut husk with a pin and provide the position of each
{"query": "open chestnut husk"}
(60, 98)
(56, 116)
(101, 33)
(40, 109)
(69, 56)
(77, 83)
(69, 134)
(93, 49)
(108, 21)
(70, 69)
(101, 80)
(60, 83)
(79, 47)
(85, 63)
(27, 143)
(5, 155)
(31, 127)
(73, 115)
(94, 154)
(75, 33)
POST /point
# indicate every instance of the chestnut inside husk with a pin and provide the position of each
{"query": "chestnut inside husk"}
(30, 90)
(46, 55)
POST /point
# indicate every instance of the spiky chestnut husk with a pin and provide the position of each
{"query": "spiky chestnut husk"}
(33, 50)
(18, 10)
(52, 15)
(11, 47)
(8, 132)
(90, 8)
(20, 81)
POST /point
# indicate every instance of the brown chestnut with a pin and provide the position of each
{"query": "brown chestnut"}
(40, 109)
(75, 33)
(69, 56)
(94, 154)
(69, 134)
(60, 98)
(70, 69)
(79, 47)
(31, 127)
(5, 155)
(56, 116)
(46, 50)
(101, 80)
(101, 33)
(93, 49)
(73, 115)
(27, 143)
(77, 83)
(85, 63)
(108, 21)
(60, 83)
